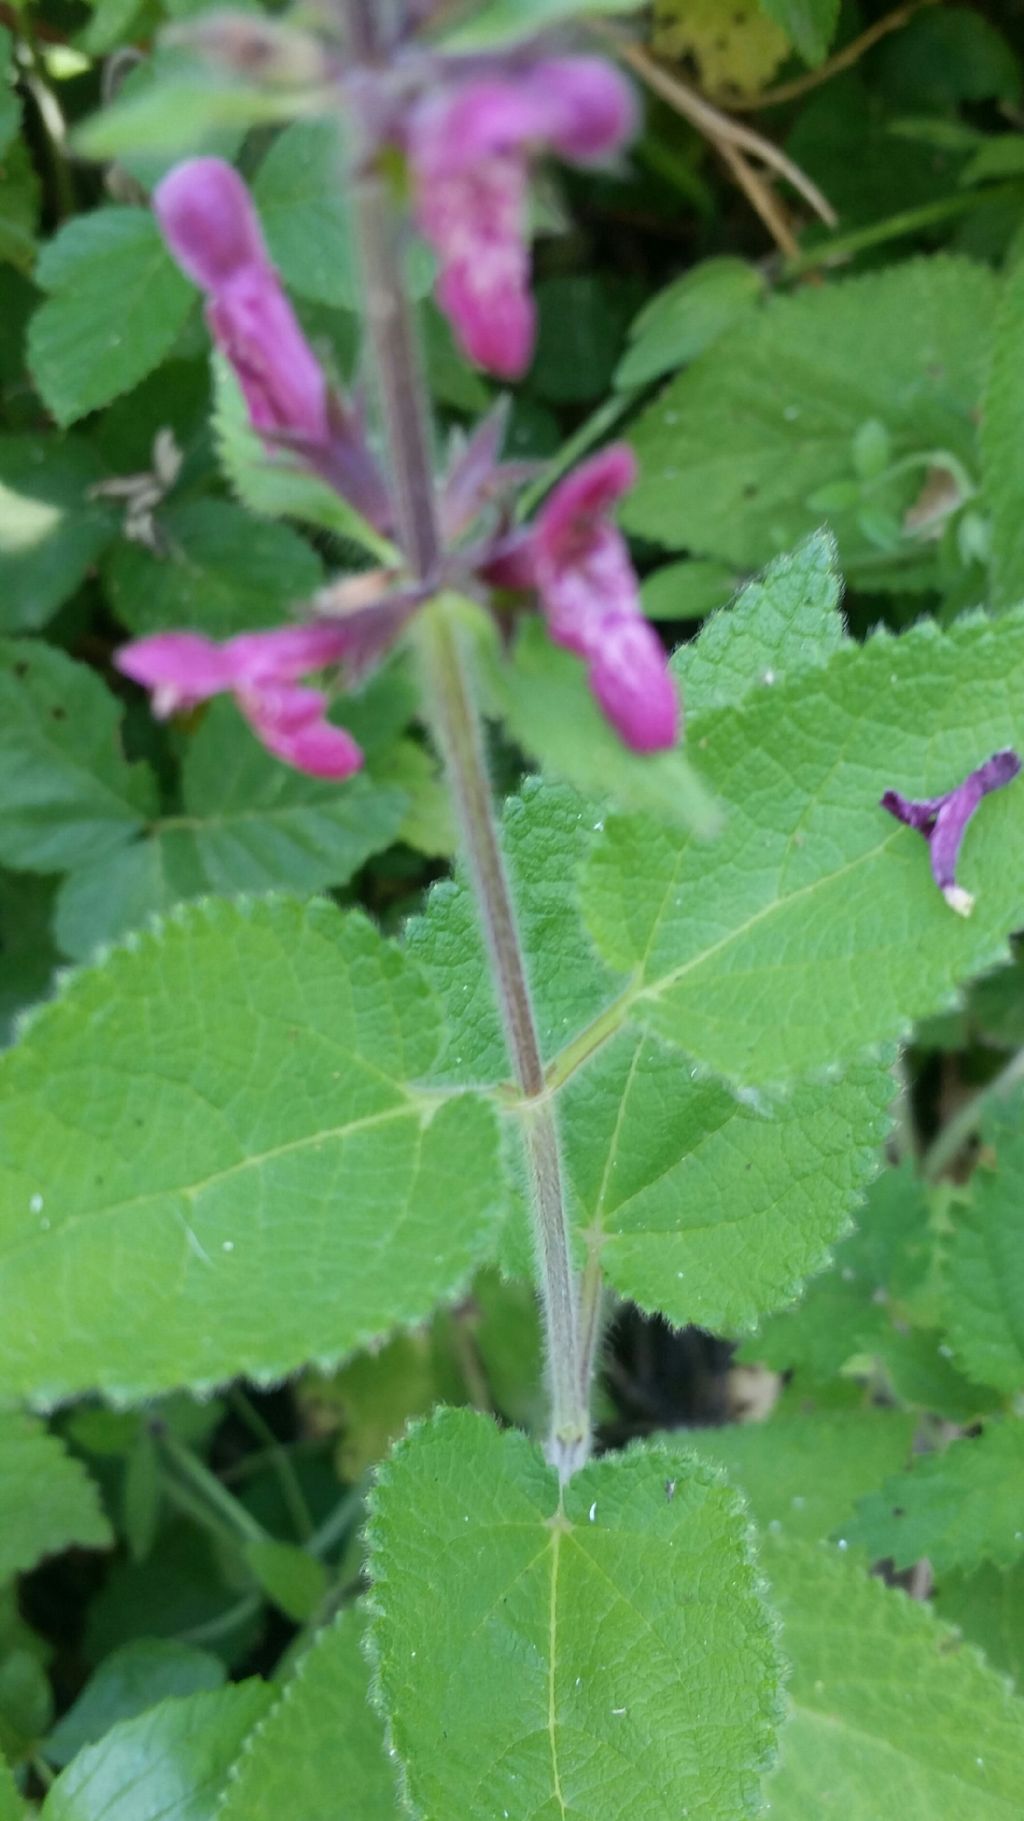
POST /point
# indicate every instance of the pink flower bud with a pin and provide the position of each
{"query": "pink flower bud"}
(207, 218)
(211, 228)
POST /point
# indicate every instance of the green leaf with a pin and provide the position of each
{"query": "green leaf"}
(428, 823)
(958, 1508)
(47, 1498)
(295, 1582)
(26, 1701)
(126, 1683)
(543, 694)
(786, 622)
(809, 24)
(247, 824)
(1002, 156)
(249, 1179)
(537, 1668)
(20, 197)
(113, 22)
(688, 590)
(300, 190)
(10, 106)
(67, 794)
(504, 21)
(118, 304)
(11, 1807)
(919, 1368)
(216, 569)
(1002, 468)
(802, 1474)
(169, 1764)
(988, 1608)
(890, 1715)
(687, 317)
(300, 193)
(51, 531)
(321, 1746)
(813, 905)
(268, 483)
(704, 1209)
(27, 954)
(174, 105)
(734, 453)
(580, 326)
(984, 1264)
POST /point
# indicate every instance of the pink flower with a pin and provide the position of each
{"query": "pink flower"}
(261, 670)
(580, 566)
(209, 223)
(469, 151)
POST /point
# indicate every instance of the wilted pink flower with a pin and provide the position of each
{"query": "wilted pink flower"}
(578, 562)
(469, 150)
(943, 820)
(261, 670)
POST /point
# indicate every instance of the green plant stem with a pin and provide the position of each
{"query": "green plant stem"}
(456, 726)
(338, 1522)
(291, 1491)
(593, 1301)
(51, 119)
(210, 1631)
(895, 227)
(964, 1123)
(199, 1479)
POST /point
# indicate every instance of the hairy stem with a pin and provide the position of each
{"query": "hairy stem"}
(457, 728)
(957, 1132)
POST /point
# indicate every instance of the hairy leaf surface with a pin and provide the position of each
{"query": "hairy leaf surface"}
(604, 1656)
(889, 1714)
(216, 1160)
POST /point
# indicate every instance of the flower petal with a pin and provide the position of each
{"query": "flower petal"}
(181, 669)
(583, 567)
(253, 323)
(591, 108)
(291, 723)
(631, 681)
(286, 653)
(207, 218)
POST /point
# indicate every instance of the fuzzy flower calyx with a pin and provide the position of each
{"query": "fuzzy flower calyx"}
(943, 820)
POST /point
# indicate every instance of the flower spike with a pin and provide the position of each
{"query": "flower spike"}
(943, 820)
